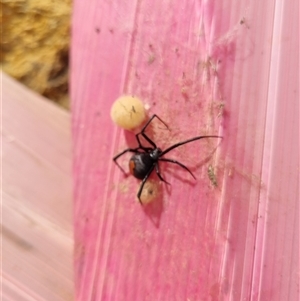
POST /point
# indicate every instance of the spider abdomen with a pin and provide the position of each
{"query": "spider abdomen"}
(140, 164)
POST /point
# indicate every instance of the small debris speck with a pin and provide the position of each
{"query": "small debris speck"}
(212, 176)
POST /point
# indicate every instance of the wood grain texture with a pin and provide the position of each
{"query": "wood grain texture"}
(206, 67)
(36, 220)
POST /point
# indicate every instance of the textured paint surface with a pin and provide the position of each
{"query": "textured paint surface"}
(204, 68)
(36, 197)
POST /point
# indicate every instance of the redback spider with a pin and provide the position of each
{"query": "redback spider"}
(145, 159)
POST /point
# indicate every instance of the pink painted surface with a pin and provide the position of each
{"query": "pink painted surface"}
(218, 67)
(36, 197)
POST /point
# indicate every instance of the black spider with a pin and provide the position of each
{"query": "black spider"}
(145, 159)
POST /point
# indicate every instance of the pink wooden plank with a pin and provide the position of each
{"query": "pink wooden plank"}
(205, 68)
(36, 207)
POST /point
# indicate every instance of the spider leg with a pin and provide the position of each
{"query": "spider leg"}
(115, 158)
(159, 175)
(149, 121)
(146, 149)
(178, 163)
(144, 129)
(143, 183)
(185, 142)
